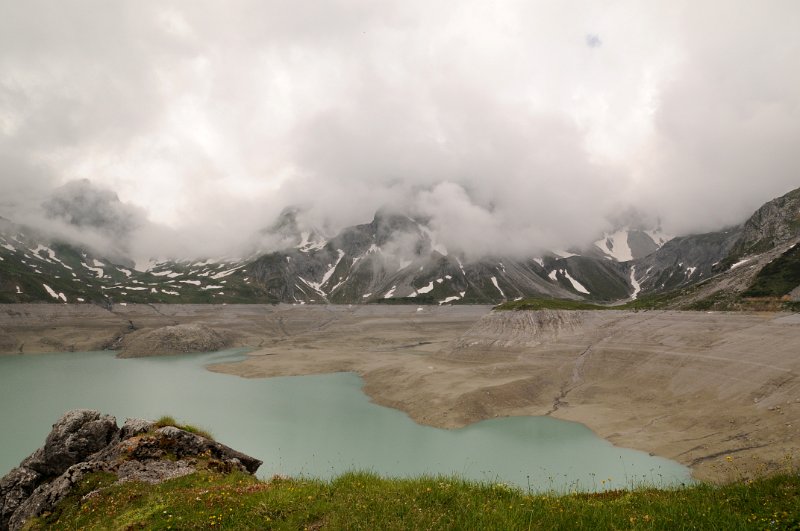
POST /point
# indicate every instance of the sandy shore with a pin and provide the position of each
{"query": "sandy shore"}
(694, 387)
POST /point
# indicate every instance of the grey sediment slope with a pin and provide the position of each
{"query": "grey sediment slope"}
(691, 386)
(176, 339)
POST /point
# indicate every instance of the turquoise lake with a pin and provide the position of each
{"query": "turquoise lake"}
(319, 425)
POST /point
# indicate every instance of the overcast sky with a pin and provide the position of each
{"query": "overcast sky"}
(510, 124)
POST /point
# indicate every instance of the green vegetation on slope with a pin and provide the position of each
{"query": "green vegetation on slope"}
(722, 300)
(208, 500)
(779, 277)
(551, 304)
(167, 420)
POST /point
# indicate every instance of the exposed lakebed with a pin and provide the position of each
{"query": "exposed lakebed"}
(317, 425)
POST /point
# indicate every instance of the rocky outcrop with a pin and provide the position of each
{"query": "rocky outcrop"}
(87, 441)
(684, 261)
(178, 339)
(775, 223)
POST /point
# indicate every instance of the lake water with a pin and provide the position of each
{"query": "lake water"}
(319, 425)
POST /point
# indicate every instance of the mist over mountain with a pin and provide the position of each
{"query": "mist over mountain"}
(80, 204)
(397, 258)
(507, 126)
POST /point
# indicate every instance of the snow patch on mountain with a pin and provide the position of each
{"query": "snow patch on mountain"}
(425, 289)
(616, 245)
(741, 262)
(223, 274)
(553, 275)
(54, 294)
(40, 248)
(496, 285)
(575, 284)
(461, 266)
(333, 267)
(636, 287)
(97, 270)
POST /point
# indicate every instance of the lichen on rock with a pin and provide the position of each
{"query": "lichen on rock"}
(85, 441)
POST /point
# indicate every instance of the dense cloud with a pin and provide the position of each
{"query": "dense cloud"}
(512, 126)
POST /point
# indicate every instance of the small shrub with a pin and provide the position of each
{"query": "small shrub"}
(167, 420)
(208, 500)
(550, 304)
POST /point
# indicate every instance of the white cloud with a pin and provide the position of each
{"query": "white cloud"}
(495, 119)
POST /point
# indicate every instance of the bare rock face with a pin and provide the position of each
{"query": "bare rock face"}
(76, 436)
(87, 441)
(176, 339)
(776, 222)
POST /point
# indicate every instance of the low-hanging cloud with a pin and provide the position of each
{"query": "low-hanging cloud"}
(512, 127)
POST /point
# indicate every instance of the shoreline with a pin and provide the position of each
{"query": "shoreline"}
(693, 387)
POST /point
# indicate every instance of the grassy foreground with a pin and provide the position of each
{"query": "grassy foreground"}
(208, 500)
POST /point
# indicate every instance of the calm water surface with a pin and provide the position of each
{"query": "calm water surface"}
(319, 425)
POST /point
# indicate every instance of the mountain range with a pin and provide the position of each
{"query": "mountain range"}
(397, 259)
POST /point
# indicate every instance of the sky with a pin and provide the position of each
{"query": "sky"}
(510, 125)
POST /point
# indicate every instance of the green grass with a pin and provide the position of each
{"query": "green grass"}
(647, 302)
(207, 500)
(167, 420)
(718, 301)
(777, 278)
(551, 304)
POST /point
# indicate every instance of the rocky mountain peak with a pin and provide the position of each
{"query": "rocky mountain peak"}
(634, 234)
(388, 224)
(775, 223)
(396, 258)
(288, 231)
